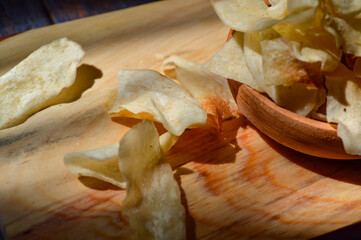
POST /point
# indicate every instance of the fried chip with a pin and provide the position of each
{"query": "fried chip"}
(229, 62)
(344, 108)
(297, 97)
(33, 84)
(343, 20)
(153, 202)
(102, 163)
(146, 94)
(255, 15)
(210, 89)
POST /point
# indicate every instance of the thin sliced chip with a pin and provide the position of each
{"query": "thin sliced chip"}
(298, 97)
(229, 62)
(343, 20)
(255, 15)
(102, 163)
(281, 67)
(146, 94)
(33, 84)
(344, 108)
(210, 89)
(153, 201)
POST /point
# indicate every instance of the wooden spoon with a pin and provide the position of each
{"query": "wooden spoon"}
(300, 133)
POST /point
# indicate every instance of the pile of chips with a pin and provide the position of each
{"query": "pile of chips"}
(305, 55)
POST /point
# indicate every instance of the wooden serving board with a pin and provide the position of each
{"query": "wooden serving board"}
(235, 185)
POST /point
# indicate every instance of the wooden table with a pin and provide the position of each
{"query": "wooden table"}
(238, 184)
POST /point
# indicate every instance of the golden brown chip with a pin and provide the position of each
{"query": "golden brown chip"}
(229, 62)
(210, 89)
(100, 163)
(153, 203)
(255, 15)
(344, 108)
(146, 94)
(35, 82)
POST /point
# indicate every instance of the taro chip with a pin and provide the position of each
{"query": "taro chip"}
(343, 20)
(210, 89)
(344, 108)
(146, 94)
(153, 200)
(102, 163)
(297, 97)
(255, 15)
(229, 62)
(36, 82)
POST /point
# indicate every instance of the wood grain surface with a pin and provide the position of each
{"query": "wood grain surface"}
(235, 185)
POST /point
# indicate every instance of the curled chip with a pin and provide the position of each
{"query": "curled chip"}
(153, 203)
(255, 15)
(146, 94)
(102, 163)
(297, 97)
(36, 82)
(210, 89)
(229, 62)
(343, 20)
(344, 108)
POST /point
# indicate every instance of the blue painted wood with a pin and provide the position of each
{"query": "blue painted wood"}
(18, 16)
(67, 10)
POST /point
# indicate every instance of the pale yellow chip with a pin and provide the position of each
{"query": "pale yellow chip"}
(146, 94)
(102, 163)
(297, 97)
(255, 15)
(343, 20)
(344, 108)
(35, 82)
(210, 89)
(229, 62)
(153, 200)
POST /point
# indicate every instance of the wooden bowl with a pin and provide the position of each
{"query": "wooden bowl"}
(300, 133)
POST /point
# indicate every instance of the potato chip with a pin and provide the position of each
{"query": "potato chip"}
(33, 84)
(210, 89)
(146, 94)
(102, 163)
(343, 19)
(255, 15)
(297, 97)
(153, 202)
(229, 62)
(344, 108)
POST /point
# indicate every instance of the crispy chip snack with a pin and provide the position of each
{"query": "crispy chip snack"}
(102, 163)
(146, 94)
(255, 15)
(297, 97)
(344, 108)
(33, 84)
(229, 62)
(152, 203)
(343, 19)
(210, 89)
